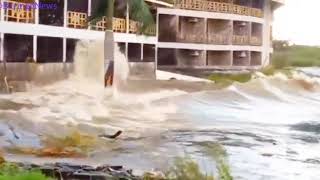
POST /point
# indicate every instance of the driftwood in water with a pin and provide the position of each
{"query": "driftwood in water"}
(118, 133)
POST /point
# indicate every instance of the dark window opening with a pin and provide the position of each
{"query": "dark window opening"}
(71, 48)
(148, 53)
(51, 16)
(49, 49)
(134, 52)
(166, 57)
(78, 6)
(18, 48)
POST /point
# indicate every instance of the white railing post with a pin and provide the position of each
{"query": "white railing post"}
(36, 14)
(127, 19)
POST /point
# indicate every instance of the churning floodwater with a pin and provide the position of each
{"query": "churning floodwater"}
(269, 126)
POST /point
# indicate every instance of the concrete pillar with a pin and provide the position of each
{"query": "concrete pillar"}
(89, 11)
(206, 30)
(249, 54)
(2, 11)
(65, 14)
(232, 63)
(35, 48)
(230, 58)
(141, 55)
(156, 45)
(127, 47)
(36, 13)
(127, 29)
(64, 50)
(206, 57)
(232, 32)
(266, 43)
(1, 46)
(89, 7)
(155, 60)
(177, 25)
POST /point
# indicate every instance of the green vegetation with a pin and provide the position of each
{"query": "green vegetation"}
(227, 79)
(294, 56)
(187, 169)
(10, 171)
(284, 59)
(219, 154)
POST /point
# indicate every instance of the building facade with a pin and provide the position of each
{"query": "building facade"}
(215, 34)
(189, 34)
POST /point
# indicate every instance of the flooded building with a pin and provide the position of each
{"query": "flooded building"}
(189, 34)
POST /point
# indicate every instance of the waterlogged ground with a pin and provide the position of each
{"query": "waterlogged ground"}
(269, 126)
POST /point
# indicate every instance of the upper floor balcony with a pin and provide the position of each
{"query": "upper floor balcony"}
(69, 16)
(209, 31)
(18, 12)
(222, 7)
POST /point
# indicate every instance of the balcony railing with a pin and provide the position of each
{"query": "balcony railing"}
(255, 41)
(133, 26)
(218, 39)
(191, 38)
(203, 5)
(18, 12)
(152, 30)
(240, 40)
(77, 20)
(119, 25)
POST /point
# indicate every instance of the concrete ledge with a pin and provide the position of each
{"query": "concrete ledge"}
(209, 15)
(37, 73)
(63, 32)
(193, 46)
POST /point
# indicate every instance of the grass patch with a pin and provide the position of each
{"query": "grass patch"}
(184, 168)
(10, 171)
(75, 144)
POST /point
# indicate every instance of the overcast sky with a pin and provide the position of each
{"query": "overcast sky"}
(299, 22)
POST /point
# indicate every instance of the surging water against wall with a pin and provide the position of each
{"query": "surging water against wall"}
(89, 64)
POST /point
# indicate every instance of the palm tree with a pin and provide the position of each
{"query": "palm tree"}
(138, 11)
